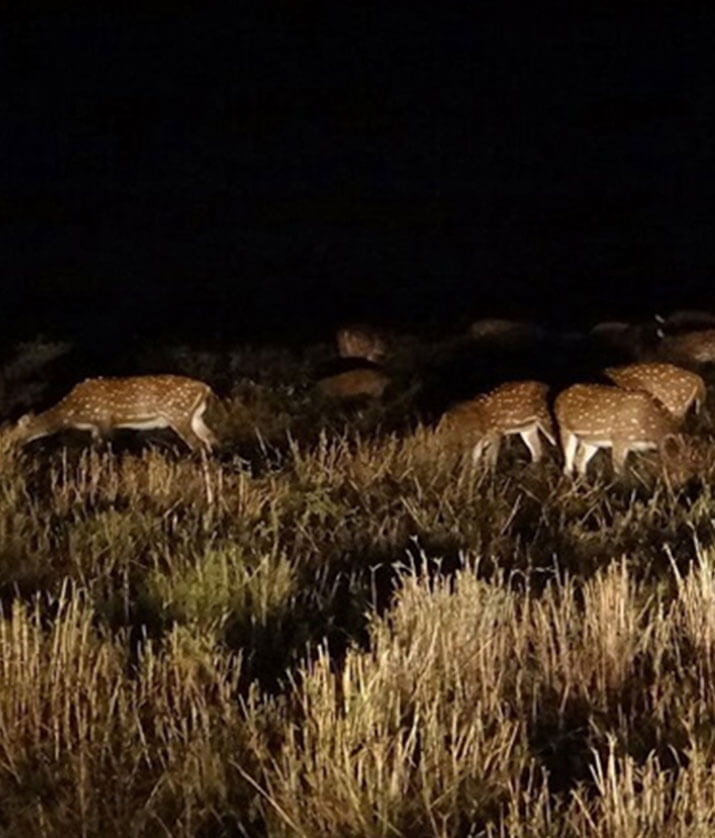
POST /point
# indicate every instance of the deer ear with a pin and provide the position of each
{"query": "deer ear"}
(659, 318)
(660, 333)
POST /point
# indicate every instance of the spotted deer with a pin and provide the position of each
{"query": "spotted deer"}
(141, 402)
(688, 348)
(360, 341)
(594, 416)
(518, 407)
(675, 388)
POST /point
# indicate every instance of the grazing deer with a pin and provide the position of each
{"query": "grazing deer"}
(675, 388)
(688, 348)
(593, 416)
(360, 341)
(518, 407)
(141, 402)
(354, 384)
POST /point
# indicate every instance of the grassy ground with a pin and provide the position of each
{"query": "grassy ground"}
(339, 628)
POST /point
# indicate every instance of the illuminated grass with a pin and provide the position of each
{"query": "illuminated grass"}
(340, 628)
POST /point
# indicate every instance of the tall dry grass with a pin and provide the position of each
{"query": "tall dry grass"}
(339, 628)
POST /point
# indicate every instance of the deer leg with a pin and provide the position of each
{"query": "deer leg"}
(585, 454)
(618, 455)
(207, 436)
(569, 443)
(101, 436)
(187, 435)
(533, 442)
(478, 450)
(546, 427)
(493, 445)
(202, 430)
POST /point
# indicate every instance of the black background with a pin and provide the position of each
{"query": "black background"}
(268, 172)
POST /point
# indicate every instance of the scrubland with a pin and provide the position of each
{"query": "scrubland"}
(339, 628)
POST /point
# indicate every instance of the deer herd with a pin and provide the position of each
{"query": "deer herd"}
(644, 408)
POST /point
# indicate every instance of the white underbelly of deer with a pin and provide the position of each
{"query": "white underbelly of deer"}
(147, 424)
(599, 443)
(522, 429)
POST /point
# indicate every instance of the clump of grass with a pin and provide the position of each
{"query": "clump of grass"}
(223, 591)
(435, 729)
(402, 739)
(87, 745)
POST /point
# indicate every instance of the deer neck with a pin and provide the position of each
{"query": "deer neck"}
(45, 423)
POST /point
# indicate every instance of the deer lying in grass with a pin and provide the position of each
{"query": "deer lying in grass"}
(347, 386)
(675, 388)
(518, 407)
(142, 402)
(594, 416)
(359, 341)
(615, 335)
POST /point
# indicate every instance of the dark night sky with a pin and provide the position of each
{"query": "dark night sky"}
(195, 173)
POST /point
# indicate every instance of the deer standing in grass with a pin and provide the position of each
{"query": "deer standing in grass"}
(518, 407)
(593, 416)
(141, 402)
(675, 388)
(360, 341)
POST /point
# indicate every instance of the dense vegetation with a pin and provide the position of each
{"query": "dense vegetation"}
(339, 628)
